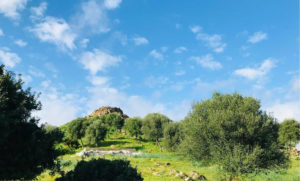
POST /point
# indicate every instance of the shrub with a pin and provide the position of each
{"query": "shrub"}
(289, 133)
(102, 170)
(233, 132)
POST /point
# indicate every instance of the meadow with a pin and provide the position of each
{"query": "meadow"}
(152, 164)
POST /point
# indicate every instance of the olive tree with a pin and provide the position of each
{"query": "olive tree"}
(134, 126)
(172, 136)
(153, 126)
(76, 129)
(289, 133)
(233, 132)
(25, 147)
(95, 132)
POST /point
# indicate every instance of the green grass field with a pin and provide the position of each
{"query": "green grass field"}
(152, 164)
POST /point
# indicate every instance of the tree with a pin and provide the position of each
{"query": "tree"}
(95, 132)
(153, 126)
(25, 148)
(289, 133)
(115, 120)
(172, 136)
(54, 132)
(134, 126)
(76, 129)
(233, 132)
(102, 170)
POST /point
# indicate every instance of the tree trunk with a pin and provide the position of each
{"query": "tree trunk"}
(81, 143)
(157, 142)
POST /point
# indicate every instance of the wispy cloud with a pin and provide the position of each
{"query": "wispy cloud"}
(11, 8)
(157, 55)
(256, 73)
(57, 31)
(38, 12)
(257, 37)
(9, 58)
(207, 61)
(213, 41)
(180, 50)
(98, 60)
(112, 4)
(140, 40)
(21, 43)
(1, 32)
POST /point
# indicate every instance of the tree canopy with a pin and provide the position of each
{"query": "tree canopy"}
(233, 132)
(289, 133)
(134, 126)
(173, 136)
(25, 148)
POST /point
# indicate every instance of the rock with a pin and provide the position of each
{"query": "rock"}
(155, 173)
(174, 172)
(202, 177)
(157, 164)
(187, 179)
(167, 164)
(195, 176)
(106, 110)
(182, 175)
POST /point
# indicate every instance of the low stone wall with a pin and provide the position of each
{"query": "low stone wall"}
(97, 152)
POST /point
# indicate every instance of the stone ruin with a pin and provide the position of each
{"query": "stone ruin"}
(105, 110)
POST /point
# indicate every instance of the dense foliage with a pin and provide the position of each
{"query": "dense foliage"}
(95, 133)
(153, 126)
(102, 170)
(172, 136)
(289, 133)
(115, 120)
(25, 150)
(233, 132)
(76, 129)
(134, 126)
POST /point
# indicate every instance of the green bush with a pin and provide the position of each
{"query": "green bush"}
(95, 133)
(233, 132)
(102, 170)
(289, 133)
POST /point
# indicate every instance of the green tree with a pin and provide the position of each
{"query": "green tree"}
(172, 136)
(25, 148)
(95, 132)
(233, 132)
(134, 126)
(289, 133)
(153, 126)
(115, 120)
(76, 129)
(102, 170)
(54, 132)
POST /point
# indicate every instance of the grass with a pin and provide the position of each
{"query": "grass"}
(154, 161)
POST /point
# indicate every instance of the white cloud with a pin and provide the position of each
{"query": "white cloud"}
(213, 41)
(9, 58)
(98, 80)
(38, 12)
(84, 42)
(11, 8)
(180, 50)
(21, 43)
(140, 41)
(26, 78)
(98, 60)
(195, 29)
(55, 30)
(285, 110)
(1, 32)
(257, 37)
(256, 73)
(155, 54)
(57, 108)
(92, 18)
(112, 4)
(207, 62)
(296, 85)
(35, 72)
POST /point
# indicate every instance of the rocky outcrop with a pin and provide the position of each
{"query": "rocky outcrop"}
(105, 110)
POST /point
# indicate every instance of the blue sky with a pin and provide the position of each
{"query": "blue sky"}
(152, 56)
